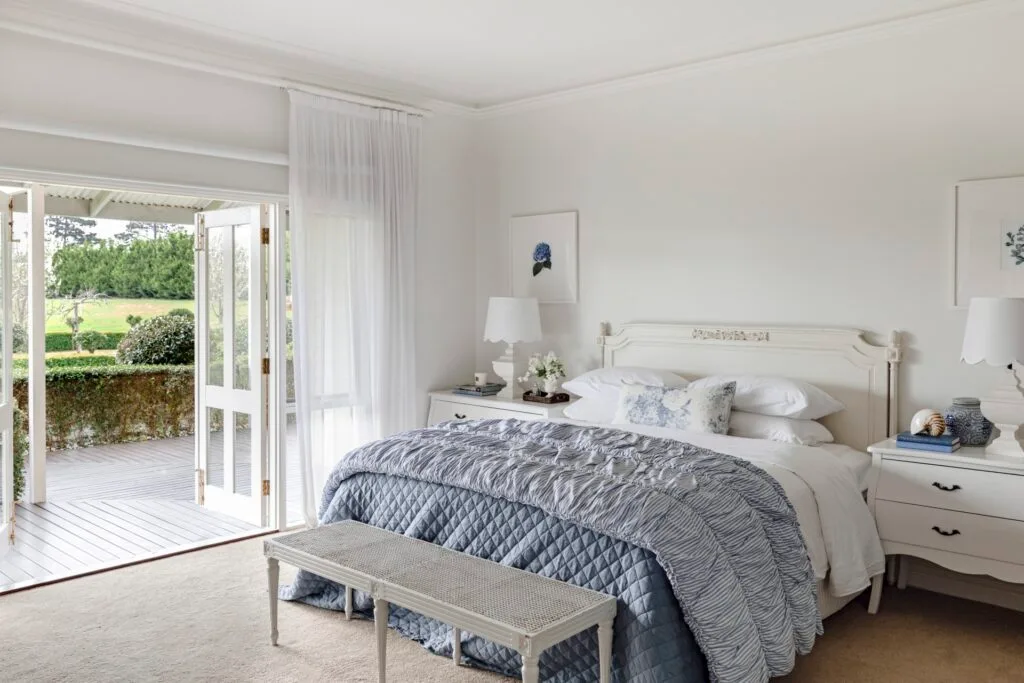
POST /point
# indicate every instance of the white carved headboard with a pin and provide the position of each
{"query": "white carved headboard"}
(861, 375)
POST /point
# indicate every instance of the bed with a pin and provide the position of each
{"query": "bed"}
(724, 553)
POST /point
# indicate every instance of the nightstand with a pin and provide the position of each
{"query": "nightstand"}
(963, 511)
(444, 405)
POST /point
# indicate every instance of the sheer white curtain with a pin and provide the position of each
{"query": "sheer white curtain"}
(353, 182)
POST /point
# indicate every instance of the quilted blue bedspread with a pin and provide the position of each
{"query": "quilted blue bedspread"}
(702, 550)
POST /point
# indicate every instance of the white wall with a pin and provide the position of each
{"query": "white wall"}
(68, 87)
(812, 190)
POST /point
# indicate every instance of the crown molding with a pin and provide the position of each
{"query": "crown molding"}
(100, 28)
(107, 25)
(760, 55)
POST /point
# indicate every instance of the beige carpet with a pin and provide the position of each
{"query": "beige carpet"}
(203, 617)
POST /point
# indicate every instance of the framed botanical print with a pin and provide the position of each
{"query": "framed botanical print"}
(543, 257)
(988, 240)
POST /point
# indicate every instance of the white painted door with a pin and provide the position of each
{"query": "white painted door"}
(6, 366)
(232, 472)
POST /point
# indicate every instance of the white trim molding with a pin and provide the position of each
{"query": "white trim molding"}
(115, 27)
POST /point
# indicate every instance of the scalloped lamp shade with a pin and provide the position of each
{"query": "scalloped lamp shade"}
(512, 320)
(994, 332)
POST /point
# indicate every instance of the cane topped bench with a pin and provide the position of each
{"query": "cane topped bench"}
(511, 607)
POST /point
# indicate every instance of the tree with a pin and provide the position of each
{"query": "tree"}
(71, 229)
(70, 308)
(136, 229)
(160, 268)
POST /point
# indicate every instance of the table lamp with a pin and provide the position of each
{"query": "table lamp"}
(995, 335)
(511, 320)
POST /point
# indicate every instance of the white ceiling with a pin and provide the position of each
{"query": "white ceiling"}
(483, 52)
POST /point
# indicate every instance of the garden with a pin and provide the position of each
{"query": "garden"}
(120, 336)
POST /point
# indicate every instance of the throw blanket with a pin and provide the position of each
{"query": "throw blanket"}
(720, 531)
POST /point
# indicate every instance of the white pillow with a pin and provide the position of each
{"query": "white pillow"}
(784, 429)
(776, 396)
(600, 410)
(684, 408)
(606, 382)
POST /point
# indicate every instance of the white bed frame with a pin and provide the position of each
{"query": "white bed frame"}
(862, 375)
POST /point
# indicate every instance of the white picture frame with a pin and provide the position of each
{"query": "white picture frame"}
(551, 280)
(985, 263)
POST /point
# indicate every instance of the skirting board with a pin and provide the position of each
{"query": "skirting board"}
(924, 574)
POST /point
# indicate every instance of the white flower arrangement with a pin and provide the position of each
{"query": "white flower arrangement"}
(545, 370)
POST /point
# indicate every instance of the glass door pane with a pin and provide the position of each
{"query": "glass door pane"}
(231, 323)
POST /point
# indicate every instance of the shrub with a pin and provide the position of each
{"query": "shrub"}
(183, 312)
(133, 320)
(91, 340)
(20, 336)
(163, 340)
(114, 404)
(65, 341)
(21, 364)
(20, 451)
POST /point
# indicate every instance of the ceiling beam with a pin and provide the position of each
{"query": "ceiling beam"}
(214, 205)
(99, 202)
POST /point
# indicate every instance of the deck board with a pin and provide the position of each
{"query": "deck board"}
(109, 505)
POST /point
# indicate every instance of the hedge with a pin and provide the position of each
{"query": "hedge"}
(67, 362)
(88, 406)
(64, 341)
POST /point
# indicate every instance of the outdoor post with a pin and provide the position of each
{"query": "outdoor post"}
(36, 344)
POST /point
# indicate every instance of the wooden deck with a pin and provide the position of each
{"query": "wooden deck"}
(113, 505)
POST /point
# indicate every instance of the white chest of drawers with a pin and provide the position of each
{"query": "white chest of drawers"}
(963, 511)
(444, 405)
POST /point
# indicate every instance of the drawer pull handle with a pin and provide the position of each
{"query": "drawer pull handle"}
(460, 416)
(954, 487)
(954, 532)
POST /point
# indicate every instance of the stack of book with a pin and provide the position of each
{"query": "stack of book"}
(478, 390)
(947, 443)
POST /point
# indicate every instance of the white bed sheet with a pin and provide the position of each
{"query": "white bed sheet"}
(859, 462)
(838, 528)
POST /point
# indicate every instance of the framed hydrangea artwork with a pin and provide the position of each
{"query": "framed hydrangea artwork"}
(988, 240)
(543, 257)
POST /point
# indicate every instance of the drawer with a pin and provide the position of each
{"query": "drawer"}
(956, 532)
(441, 411)
(952, 488)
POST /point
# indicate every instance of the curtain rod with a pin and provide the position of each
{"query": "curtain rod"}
(226, 72)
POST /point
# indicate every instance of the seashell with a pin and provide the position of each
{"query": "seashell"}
(928, 422)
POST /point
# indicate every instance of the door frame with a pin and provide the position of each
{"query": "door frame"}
(43, 177)
(7, 504)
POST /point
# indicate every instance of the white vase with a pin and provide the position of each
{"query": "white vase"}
(551, 385)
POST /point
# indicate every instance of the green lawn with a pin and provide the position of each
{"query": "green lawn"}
(109, 315)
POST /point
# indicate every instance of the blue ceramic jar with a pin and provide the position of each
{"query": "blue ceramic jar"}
(964, 420)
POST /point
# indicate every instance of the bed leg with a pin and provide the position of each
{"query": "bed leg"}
(380, 624)
(273, 575)
(457, 645)
(904, 575)
(890, 569)
(348, 602)
(876, 594)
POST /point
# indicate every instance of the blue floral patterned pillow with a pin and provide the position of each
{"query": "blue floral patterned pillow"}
(705, 409)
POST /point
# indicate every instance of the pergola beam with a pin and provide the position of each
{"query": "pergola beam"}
(99, 202)
(213, 206)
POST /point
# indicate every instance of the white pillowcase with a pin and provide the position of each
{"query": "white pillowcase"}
(784, 429)
(606, 382)
(600, 410)
(777, 396)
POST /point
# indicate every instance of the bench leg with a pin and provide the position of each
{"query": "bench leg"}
(380, 624)
(876, 594)
(273, 575)
(457, 646)
(531, 670)
(348, 602)
(604, 644)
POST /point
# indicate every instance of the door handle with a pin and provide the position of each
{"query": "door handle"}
(954, 487)
(459, 416)
(954, 532)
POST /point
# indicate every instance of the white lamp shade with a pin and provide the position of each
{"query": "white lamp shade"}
(995, 331)
(512, 320)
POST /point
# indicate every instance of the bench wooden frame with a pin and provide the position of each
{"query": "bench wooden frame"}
(533, 592)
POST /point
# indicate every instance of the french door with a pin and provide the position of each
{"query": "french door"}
(232, 363)
(7, 509)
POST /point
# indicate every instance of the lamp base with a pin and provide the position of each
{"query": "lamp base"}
(505, 367)
(1005, 408)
